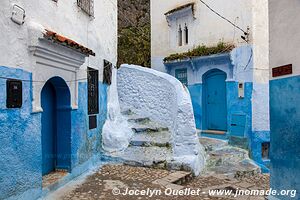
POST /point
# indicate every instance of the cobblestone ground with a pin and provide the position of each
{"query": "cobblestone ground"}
(101, 184)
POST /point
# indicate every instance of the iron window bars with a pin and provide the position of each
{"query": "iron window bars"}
(93, 91)
(107, 72)
(87, 6)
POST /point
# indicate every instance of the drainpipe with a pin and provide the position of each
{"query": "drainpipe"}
(193, 66)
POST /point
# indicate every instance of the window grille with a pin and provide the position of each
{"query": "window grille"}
(87, 6)
(107, 72)
(181, 75)
(93, 91)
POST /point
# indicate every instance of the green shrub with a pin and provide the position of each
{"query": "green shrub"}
(201, 50)
(134, 45)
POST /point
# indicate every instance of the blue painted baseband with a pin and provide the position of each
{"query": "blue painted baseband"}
(263, 167)
(196, 96)
(236, 107)
(257, 139)
(285, 137)
(20, 139)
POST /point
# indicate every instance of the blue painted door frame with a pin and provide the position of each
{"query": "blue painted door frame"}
(56, 126)
(214, 100)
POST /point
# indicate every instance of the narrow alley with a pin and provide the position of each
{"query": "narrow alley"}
(223, 172)
(149, 99)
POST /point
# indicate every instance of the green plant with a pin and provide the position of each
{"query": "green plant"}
(134, 46)
(201, 50)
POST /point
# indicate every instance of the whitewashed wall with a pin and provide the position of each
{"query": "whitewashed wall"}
(284, 34)
(260, 95)
(207, 28)
(65, 18)
(165, 100)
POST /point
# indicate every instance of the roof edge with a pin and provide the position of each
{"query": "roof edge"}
(192, 4)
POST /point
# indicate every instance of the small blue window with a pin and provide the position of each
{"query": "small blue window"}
(181, 75)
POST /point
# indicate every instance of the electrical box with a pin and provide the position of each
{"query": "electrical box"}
(18, 15)
(241, 90)
(13, 93)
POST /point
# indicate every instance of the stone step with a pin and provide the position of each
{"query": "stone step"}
(154, 157)
(213, 132)
(148, 127)
(175, 180)
(238, 142)
(226, 155)
(147, 139)
(127, 112)
(241, 169)
(211, 144)
(138, 119)
(222, 135)
(247, 168)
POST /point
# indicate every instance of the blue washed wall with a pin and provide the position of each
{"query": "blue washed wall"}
(233, 64)
(196, 95)
(196, 67)
(87, 143)
(236, 105)
(257, 138)
(20, 140)
(285, 134)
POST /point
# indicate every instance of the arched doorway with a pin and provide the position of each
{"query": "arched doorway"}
(214, 100)
(56, 126)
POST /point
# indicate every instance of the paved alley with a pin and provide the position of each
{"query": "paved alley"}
(116, 179)
(101, 184)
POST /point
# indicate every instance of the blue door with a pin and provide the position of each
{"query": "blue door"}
(49, 153)
(56, 126)
(215, 100)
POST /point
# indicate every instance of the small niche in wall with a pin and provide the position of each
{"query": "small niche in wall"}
(92, 122)
(265, 150)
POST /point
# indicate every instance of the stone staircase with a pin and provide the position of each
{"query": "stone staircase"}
(150, 146)
(227, 160)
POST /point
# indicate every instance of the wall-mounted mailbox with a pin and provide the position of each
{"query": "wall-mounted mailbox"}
(241, 90)
(13, 93)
